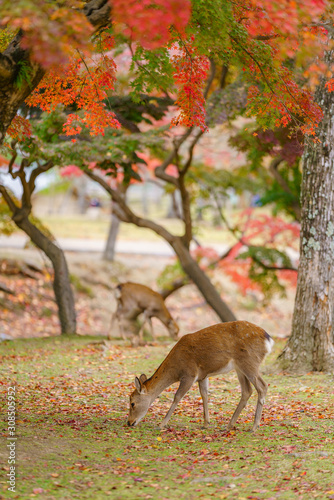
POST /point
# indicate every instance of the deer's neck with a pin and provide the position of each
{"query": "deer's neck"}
(164, 317)
(160, 380)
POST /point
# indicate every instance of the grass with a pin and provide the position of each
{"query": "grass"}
(81, 226)
(73, 442)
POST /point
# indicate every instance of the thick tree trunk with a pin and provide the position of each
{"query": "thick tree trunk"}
(61, 284)
(109, 251)
(201, 280)
(311, 345)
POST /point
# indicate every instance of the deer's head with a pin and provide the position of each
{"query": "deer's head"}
(140, 401)
(173, 328)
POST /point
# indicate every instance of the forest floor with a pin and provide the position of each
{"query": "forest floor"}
(72, 400)
(73, 441)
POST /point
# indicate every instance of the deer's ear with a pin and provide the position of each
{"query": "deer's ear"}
(142, 378)
(139, 386)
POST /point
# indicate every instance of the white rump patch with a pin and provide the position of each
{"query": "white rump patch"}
(269, 345)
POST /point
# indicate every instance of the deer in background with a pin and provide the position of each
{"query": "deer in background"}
(134, 299)
(237, 345)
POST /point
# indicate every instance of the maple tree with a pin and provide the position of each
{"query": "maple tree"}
(272, 167)
(240, 34)
(110, 158)
(255, 41)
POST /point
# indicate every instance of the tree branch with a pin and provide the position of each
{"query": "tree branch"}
(273, 268)
(180, 183)
(8, 199)
(11, 162)
(124, 212)
(223, 76)
(160, 170)
(210, 79)
(98, 13)
(37, 171)
(176, 285)
(186, 166)
(26, 195)
(128, 124)
(186, 213)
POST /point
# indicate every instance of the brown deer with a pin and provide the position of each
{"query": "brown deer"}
(237, 345)
(134, 299)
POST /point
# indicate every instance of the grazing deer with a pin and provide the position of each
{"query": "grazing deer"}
(134, 299)
(237, 345)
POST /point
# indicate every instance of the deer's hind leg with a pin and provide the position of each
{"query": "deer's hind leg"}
(146, 319)
(261, 387)
(246, 392)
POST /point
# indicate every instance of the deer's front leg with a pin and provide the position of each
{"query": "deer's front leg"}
(149, 319)
(141, 331)
(204, 391)
(184, 387)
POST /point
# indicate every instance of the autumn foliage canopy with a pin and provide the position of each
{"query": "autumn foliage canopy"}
(272, 44)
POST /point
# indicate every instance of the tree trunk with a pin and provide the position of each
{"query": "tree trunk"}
(61, 284)
(175, 208)
(109, 251)
(311, 344)
(201, 280)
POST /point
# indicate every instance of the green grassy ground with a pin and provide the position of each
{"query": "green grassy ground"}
(79, 226)
(73, 442)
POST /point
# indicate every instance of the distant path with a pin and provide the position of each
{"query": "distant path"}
(137, 247)
(140, 247)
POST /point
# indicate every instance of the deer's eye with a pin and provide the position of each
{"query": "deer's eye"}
(133, 405)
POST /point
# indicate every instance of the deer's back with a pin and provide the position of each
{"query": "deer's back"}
(135, 295)
(219, 348)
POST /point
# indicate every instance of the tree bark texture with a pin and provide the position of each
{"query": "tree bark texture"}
(61, 284)
(311, 344)
(109, 251)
